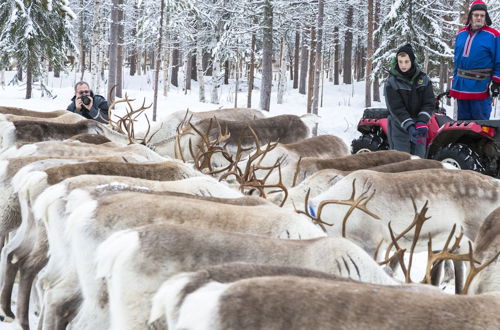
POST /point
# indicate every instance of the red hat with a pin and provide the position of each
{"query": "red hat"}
(478, 5)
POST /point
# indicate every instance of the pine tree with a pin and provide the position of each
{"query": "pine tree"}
(31, 31)
(419, 23)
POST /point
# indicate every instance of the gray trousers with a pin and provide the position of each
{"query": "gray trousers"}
(399, 139)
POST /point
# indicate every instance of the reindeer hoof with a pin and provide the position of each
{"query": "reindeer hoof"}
(4, 317)
(8, 319)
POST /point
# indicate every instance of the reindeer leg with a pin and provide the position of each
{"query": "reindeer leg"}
(6, 313)
(436, 273)
(28, 271)
(459, 275)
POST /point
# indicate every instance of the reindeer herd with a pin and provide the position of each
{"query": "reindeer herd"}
(229, 219)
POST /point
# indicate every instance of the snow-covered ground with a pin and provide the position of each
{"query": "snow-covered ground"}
(342, 106)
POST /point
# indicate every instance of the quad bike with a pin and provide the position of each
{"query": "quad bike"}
(465, 144)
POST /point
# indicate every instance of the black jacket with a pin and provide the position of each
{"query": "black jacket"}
(99, 107)
(409, 100)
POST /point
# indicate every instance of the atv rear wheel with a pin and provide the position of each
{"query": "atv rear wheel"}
(461, 156)
(368, 143)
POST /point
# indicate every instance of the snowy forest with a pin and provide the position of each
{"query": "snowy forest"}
(253, 44)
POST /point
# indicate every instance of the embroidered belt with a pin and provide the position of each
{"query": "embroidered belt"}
(476, 74)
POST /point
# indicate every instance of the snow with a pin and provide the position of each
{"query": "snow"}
(342, 107)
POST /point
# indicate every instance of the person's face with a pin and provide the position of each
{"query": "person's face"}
(478, 19)
(404, 63)
(82, 90)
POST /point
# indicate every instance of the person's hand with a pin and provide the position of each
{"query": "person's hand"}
(78, 103)
(415, 135)
(495, 89)
(422, 128)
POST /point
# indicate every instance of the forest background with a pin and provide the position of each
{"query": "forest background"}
(268, 46)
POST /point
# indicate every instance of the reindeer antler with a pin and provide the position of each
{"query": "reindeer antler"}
(359, 203)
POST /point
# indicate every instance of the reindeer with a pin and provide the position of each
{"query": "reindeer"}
(31, 113)
(100, 214)
(298, 302)
(151, 254)
(464, 198)
(325, 179)
(72, 147)
(167, 128)
(170, 298)
(22, 246)
(284, 128)
(487, 243)
(66, 118)
(197, 185)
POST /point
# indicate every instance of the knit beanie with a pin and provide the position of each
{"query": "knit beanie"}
(408, 49)
(478, 5)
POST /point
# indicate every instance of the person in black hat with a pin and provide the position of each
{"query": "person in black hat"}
(410, 100)
(476, 77)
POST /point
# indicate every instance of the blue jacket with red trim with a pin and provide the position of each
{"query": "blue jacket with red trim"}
(479, 50)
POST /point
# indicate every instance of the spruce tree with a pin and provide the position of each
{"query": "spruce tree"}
(34, 31)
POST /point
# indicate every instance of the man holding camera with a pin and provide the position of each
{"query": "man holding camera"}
(88, 105)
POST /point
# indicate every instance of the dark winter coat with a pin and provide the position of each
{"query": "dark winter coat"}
(409, 100)
(99, 107)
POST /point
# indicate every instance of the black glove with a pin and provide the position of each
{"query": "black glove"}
(415, 135)
(495, 89)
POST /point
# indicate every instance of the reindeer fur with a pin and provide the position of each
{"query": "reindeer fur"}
(461, 197)
(487, 245)
(135, 262)
(292, 302)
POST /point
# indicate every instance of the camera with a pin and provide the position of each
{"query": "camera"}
(85, 100)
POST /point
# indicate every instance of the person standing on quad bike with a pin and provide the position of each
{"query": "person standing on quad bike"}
(477, 63)
(410, 100)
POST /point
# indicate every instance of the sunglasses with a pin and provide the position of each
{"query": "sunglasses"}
(83, 92)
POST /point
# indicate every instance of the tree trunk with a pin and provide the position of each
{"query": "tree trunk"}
(2, 77)
(189, 67)
(376, 82)
(336, 56)
(194, 70)
(174, 79)
(282, 75)
(237, 80)
(310, 80)
(216, 72)
(166, 53)
(133, 53)
(159, 53)
(96, 46)
(369, 55)
(113, 50)
(81, 43)
(251, 70)
(227, 71)
(29, 79)
(19, 71)
(296, 60)
(199, 67)
(348, 47)
(304, 60)
(318, 59)
(119, 50)
(442, 74)
(267, 57)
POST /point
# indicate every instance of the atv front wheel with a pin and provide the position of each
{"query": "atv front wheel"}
(460, 156)
(368, 143)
